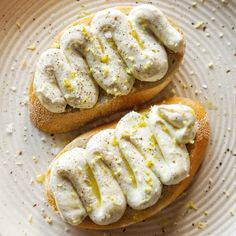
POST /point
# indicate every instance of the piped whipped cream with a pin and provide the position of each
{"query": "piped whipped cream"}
(124, 166)
(113, 51)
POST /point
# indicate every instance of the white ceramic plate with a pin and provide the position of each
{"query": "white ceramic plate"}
(208, 74)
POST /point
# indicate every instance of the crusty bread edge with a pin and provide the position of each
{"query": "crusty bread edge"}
(63, 122)
(170, 193)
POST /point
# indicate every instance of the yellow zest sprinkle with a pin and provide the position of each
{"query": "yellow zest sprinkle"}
(155, 50)
(101, 45)
(135, 36)
(104, 59)
(89, 208)
(75, 23)
(18, 24)
(34, 158)
(191, 141)
(105, 71)
(192, 205)
(147, 66)
(85, 99)
(114, 141)
(153, 140)
(59, 185)
(173, 91)
(68, 85)
(112, 199)
(201, 225)
(206, 213)
(142, 123)
(184, 86)
(126, 134)
(199, 25)
(147, 172)
(73, 74)
(31, 47)
(48, 220)
(30, 219)
(149, 163)
(148, 190)
(84, 31)
(40, 178)
(55, 45)
(148, 180)
(144, 115)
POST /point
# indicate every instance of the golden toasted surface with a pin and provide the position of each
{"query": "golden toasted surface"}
(75, 118)
(170, 193)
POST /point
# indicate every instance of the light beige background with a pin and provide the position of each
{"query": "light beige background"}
(25, 23)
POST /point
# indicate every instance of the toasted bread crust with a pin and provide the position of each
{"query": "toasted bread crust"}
(170, 193)
(75, 118)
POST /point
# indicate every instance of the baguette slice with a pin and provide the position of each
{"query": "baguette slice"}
(170, 193)
(75, 118)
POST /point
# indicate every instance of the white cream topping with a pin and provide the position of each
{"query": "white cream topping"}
(90, 181)
(141, 188)
(104, 66)
(150, 186)
(59, 81)
(144, 57)
(129, 163)
(150, 17)
(51, 64)
(65, 194)
(113, 51)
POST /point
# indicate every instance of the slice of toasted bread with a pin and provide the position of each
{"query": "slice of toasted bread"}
(75, 118)
(170, 193)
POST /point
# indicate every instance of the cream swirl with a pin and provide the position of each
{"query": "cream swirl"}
(129, 163)
(145, 57)
(92, 182)
(112, 52)
(106, 67)
(59, 82)
(140, 186)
